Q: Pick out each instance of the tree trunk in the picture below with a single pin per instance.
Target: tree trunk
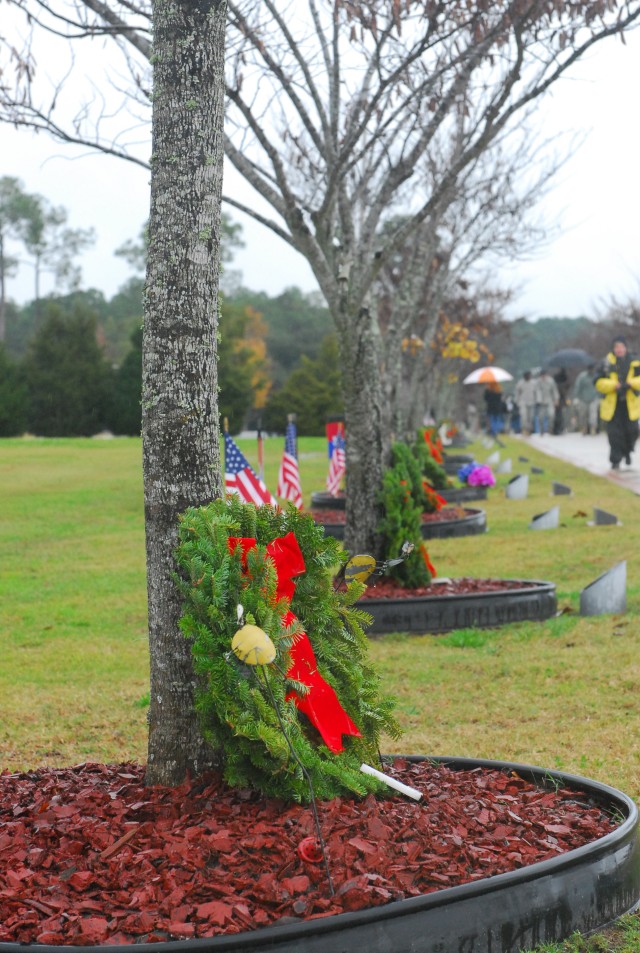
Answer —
(181, 453)
(366, 441)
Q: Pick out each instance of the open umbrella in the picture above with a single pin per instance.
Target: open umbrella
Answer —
(487, 375)
(570, 357)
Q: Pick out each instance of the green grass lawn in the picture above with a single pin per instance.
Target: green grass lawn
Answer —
(73, 678)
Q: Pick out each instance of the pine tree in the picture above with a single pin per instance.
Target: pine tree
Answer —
(67, 375)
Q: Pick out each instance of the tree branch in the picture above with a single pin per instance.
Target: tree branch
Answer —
(267, 222)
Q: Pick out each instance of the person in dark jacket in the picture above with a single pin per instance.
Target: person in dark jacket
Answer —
(618, 379)
(496, 408)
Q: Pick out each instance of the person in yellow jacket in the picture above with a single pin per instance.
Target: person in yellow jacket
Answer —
(619, 381)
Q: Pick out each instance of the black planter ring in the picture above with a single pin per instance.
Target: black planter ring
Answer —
(334, 529)
(325, 501)
(582, 890)
(534, 601)
(473, 521)
(452, 494)
(453, 462)
(463, 494)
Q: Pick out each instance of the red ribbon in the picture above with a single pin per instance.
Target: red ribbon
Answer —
(436, 449)
(320, 704)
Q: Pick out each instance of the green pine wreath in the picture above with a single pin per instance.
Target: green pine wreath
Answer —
(233, 699)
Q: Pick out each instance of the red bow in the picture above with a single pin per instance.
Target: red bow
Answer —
(436, 449)
(320, 704)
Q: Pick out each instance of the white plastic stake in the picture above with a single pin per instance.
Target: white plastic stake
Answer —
(398, 785)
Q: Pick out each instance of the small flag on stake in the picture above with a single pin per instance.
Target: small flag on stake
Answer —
(337, 463)
(289, 476)
(240, 478)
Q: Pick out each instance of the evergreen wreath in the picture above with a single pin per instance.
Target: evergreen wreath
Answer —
(403, 501)
(233, 699)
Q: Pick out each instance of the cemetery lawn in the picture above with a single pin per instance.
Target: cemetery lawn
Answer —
(73, 683)
(74, 673)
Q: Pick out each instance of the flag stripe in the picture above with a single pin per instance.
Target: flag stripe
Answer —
(240, 478)
(289, 487)
(337, 465)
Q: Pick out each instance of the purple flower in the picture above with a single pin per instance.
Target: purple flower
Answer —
(481, 476)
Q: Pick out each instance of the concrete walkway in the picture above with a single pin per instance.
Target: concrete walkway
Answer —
(590, 453)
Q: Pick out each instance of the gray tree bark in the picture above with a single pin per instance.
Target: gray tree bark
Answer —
(181, 453)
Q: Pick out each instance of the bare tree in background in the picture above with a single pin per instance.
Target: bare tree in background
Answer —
(488, 221)
(336, 110)
(613, 315)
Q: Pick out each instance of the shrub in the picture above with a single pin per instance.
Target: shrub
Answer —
(432, 471)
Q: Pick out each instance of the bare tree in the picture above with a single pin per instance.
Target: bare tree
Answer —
(489, 219)
(335, 108)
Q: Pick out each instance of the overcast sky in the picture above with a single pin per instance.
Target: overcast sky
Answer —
(594, 204)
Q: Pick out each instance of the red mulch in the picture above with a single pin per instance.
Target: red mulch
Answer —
(383, 587)
(89, 855)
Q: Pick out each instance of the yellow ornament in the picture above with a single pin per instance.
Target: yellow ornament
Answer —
(359, 567)
(253, 646)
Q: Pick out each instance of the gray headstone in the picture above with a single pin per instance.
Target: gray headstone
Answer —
(561, 489)
(518, 487)
(504, 466)
(602, 518)
(537, 470)
(493, 458)
(548, 520)
(523, 459)
(487, 442)
(607, 593)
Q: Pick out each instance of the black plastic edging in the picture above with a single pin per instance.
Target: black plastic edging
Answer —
(535, 601)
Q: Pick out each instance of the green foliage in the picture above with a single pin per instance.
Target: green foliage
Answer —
(313, 392)
(119, 320)
(124, 416)
(66, 375)
(233, 698)
(298, 323)
(237, 365)
(527, 344)
(431, 471)
(13, 397)
(402, 499)
(39, 227)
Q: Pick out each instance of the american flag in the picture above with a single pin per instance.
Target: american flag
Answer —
(337, 464)
(289, 476)
(241, 479)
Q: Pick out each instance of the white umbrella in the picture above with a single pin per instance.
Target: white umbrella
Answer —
(487, 375)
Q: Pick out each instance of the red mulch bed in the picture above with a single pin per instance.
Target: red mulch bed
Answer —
(89, 855)
(443, 515)
(384, 587)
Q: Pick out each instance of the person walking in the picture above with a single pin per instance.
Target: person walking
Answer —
(525, 397)
(547, 399)
(495, 408)
(563, 385)
(587, 401)
(619, 380)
